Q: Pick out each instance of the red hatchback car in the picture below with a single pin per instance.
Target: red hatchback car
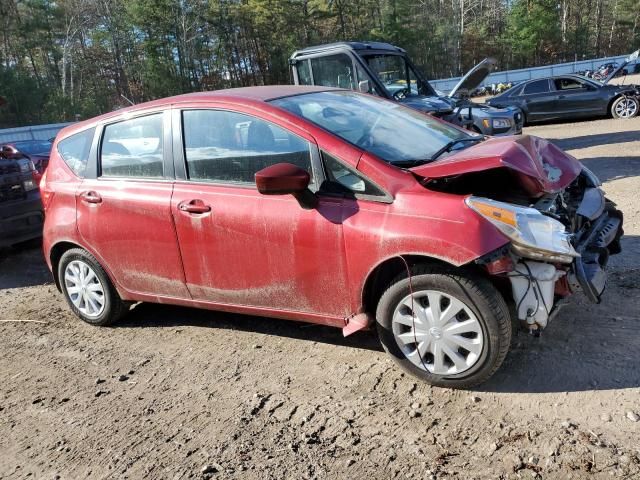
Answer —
(326, 206)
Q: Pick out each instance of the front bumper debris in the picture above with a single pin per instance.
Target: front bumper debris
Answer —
(595, 245)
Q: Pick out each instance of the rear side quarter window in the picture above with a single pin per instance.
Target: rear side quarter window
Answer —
(74, 150)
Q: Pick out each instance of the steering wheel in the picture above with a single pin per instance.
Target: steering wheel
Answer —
(402, 93)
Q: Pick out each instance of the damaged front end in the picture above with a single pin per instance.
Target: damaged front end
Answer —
(559, 246)
(562, 229)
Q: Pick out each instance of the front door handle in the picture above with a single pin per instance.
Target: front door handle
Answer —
(194, 206)
(91, 197)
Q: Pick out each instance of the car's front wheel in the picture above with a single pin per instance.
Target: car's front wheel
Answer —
(88, 290)
(449, 328)
(624, 107)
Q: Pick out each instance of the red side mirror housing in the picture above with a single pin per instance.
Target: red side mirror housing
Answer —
(282, 179)
(286, 178)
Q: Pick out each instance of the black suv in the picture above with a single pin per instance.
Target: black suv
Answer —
(21, 215)
(386, 70)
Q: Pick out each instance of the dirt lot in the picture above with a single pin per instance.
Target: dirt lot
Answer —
(180, 393)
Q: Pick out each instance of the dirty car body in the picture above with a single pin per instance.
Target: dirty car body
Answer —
(386, 70)
(326, 206)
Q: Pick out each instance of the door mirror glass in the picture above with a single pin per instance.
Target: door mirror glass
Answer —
(363, 86)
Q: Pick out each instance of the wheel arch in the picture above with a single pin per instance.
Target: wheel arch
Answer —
(381, 276)
(55, 254)
(613, 99)
(58, 250)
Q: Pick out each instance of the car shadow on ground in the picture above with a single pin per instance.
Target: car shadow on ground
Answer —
(587, 141)
(613, 168)
(154, 315)
(23, 266)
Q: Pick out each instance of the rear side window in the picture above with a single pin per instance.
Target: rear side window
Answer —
(74, 150)
(541, 86)
(133, 148)
(334, 71)
(230, 147)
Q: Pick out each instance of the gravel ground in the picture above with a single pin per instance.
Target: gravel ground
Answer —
(181, 393)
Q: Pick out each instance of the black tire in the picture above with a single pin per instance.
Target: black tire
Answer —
(114, 308)
(618, 101)
(478, 294)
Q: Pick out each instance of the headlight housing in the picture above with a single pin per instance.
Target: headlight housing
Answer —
(532, 234)
(501, 123)
(29, 185)
(26, 165)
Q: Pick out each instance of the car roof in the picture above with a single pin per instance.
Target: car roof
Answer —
(365, 45)
(245, 95)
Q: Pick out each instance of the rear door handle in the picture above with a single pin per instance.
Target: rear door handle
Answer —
(91, 197)
(194, 206)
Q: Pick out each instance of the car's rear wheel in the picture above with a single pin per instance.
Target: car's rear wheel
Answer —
(88, 290)
(449, 328)
(624, 107)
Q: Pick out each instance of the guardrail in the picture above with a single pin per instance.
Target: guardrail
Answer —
(36, 132)
(523, 74)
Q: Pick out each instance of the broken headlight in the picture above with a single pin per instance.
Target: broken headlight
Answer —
(532, 234)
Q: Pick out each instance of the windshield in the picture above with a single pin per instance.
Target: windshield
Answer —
(397, 75)
(33, 148)
(394, 133)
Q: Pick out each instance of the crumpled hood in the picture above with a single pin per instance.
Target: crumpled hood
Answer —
(545, 167)
(631, 58)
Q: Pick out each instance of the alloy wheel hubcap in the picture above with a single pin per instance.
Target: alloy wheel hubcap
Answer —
(437, 332)
(626, 108)
(84, 288)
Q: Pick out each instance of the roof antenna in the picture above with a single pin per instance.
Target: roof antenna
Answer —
(127, 99)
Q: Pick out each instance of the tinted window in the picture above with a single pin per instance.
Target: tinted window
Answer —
(512, 92)
(133, 148)
(333, 71)
(342, 179)
(304, 73)
(540, 86)
(391, 131)
(74, 150)
(231, 147)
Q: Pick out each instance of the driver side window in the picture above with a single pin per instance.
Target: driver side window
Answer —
(568, 84)
(334, 71)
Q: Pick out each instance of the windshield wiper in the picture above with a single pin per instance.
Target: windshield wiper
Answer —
(410, 163)
(453, 143)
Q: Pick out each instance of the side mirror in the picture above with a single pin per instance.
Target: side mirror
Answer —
(284, 179)
(363, 86)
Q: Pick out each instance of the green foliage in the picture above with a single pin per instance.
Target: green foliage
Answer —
(63, 59)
